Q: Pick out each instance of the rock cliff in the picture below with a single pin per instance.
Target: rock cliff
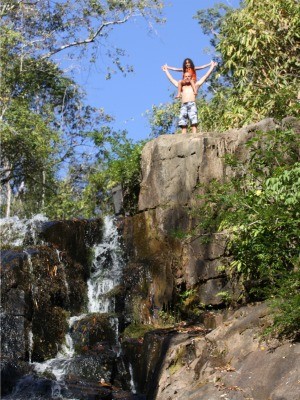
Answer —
(222, 355)
(174, 169)
(217, 354)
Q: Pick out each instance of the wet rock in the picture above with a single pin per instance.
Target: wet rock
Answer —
(93, 333)
(86, 390)
(122, 395)
(13, 339)
(38, 289)
(132, 351)
(31, 387)
(94, 367)
(49, 328)
(155, 347)
(11, 372)
(29, 294)
(42, 285)
(37, 276)
(74, 236)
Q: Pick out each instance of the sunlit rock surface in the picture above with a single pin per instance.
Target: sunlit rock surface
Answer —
(158, 239)
(232, 361)
(174, 165)
(221, 355)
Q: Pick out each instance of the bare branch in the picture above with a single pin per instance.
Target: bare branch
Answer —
(86, 41)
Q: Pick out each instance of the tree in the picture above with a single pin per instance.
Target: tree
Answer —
(47, 28)
(258, 213)
(257, 48)
(45, 124)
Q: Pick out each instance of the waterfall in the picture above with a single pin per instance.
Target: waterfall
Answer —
(106, 270)
(30, 344)
(57, 366)
(89, 345)
(106, 273)
(15, 231)
(132, 384)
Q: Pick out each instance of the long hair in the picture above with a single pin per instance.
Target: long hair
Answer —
(191, 62)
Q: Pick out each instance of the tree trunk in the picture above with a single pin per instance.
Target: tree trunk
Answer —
(8, 200)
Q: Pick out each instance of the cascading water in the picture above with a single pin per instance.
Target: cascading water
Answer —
(100, 358)
(15, 231)
(106, 273)
(106, 270)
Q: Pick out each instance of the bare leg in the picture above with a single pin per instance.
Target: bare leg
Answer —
(179, 90)
(194, 128)
(184, 129)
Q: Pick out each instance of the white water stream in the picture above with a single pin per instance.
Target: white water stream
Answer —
(106, 273)
(14, 231)
(107, 270)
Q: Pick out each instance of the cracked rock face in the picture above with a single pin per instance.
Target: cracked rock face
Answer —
(173, 165)
(173, 169)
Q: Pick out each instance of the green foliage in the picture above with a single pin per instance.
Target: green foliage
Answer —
(48, 149)
(162, 118)
(189, 305)
(136, 331)
(259, 213)
(125, 170)
(43, 124)
(119, 166)
(257, 49)
(166, 318)
(285, 305)
(211, 20)
(259, 45)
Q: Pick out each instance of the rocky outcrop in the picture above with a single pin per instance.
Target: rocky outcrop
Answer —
(174, 165)
(232, 361)
(221, 353)
(174, 170)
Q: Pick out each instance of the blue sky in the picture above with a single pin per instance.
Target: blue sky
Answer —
(127, 98)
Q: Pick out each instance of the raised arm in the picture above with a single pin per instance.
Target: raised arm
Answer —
(204, 77)
(203, 66)
(175, 68)
(170, 77)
